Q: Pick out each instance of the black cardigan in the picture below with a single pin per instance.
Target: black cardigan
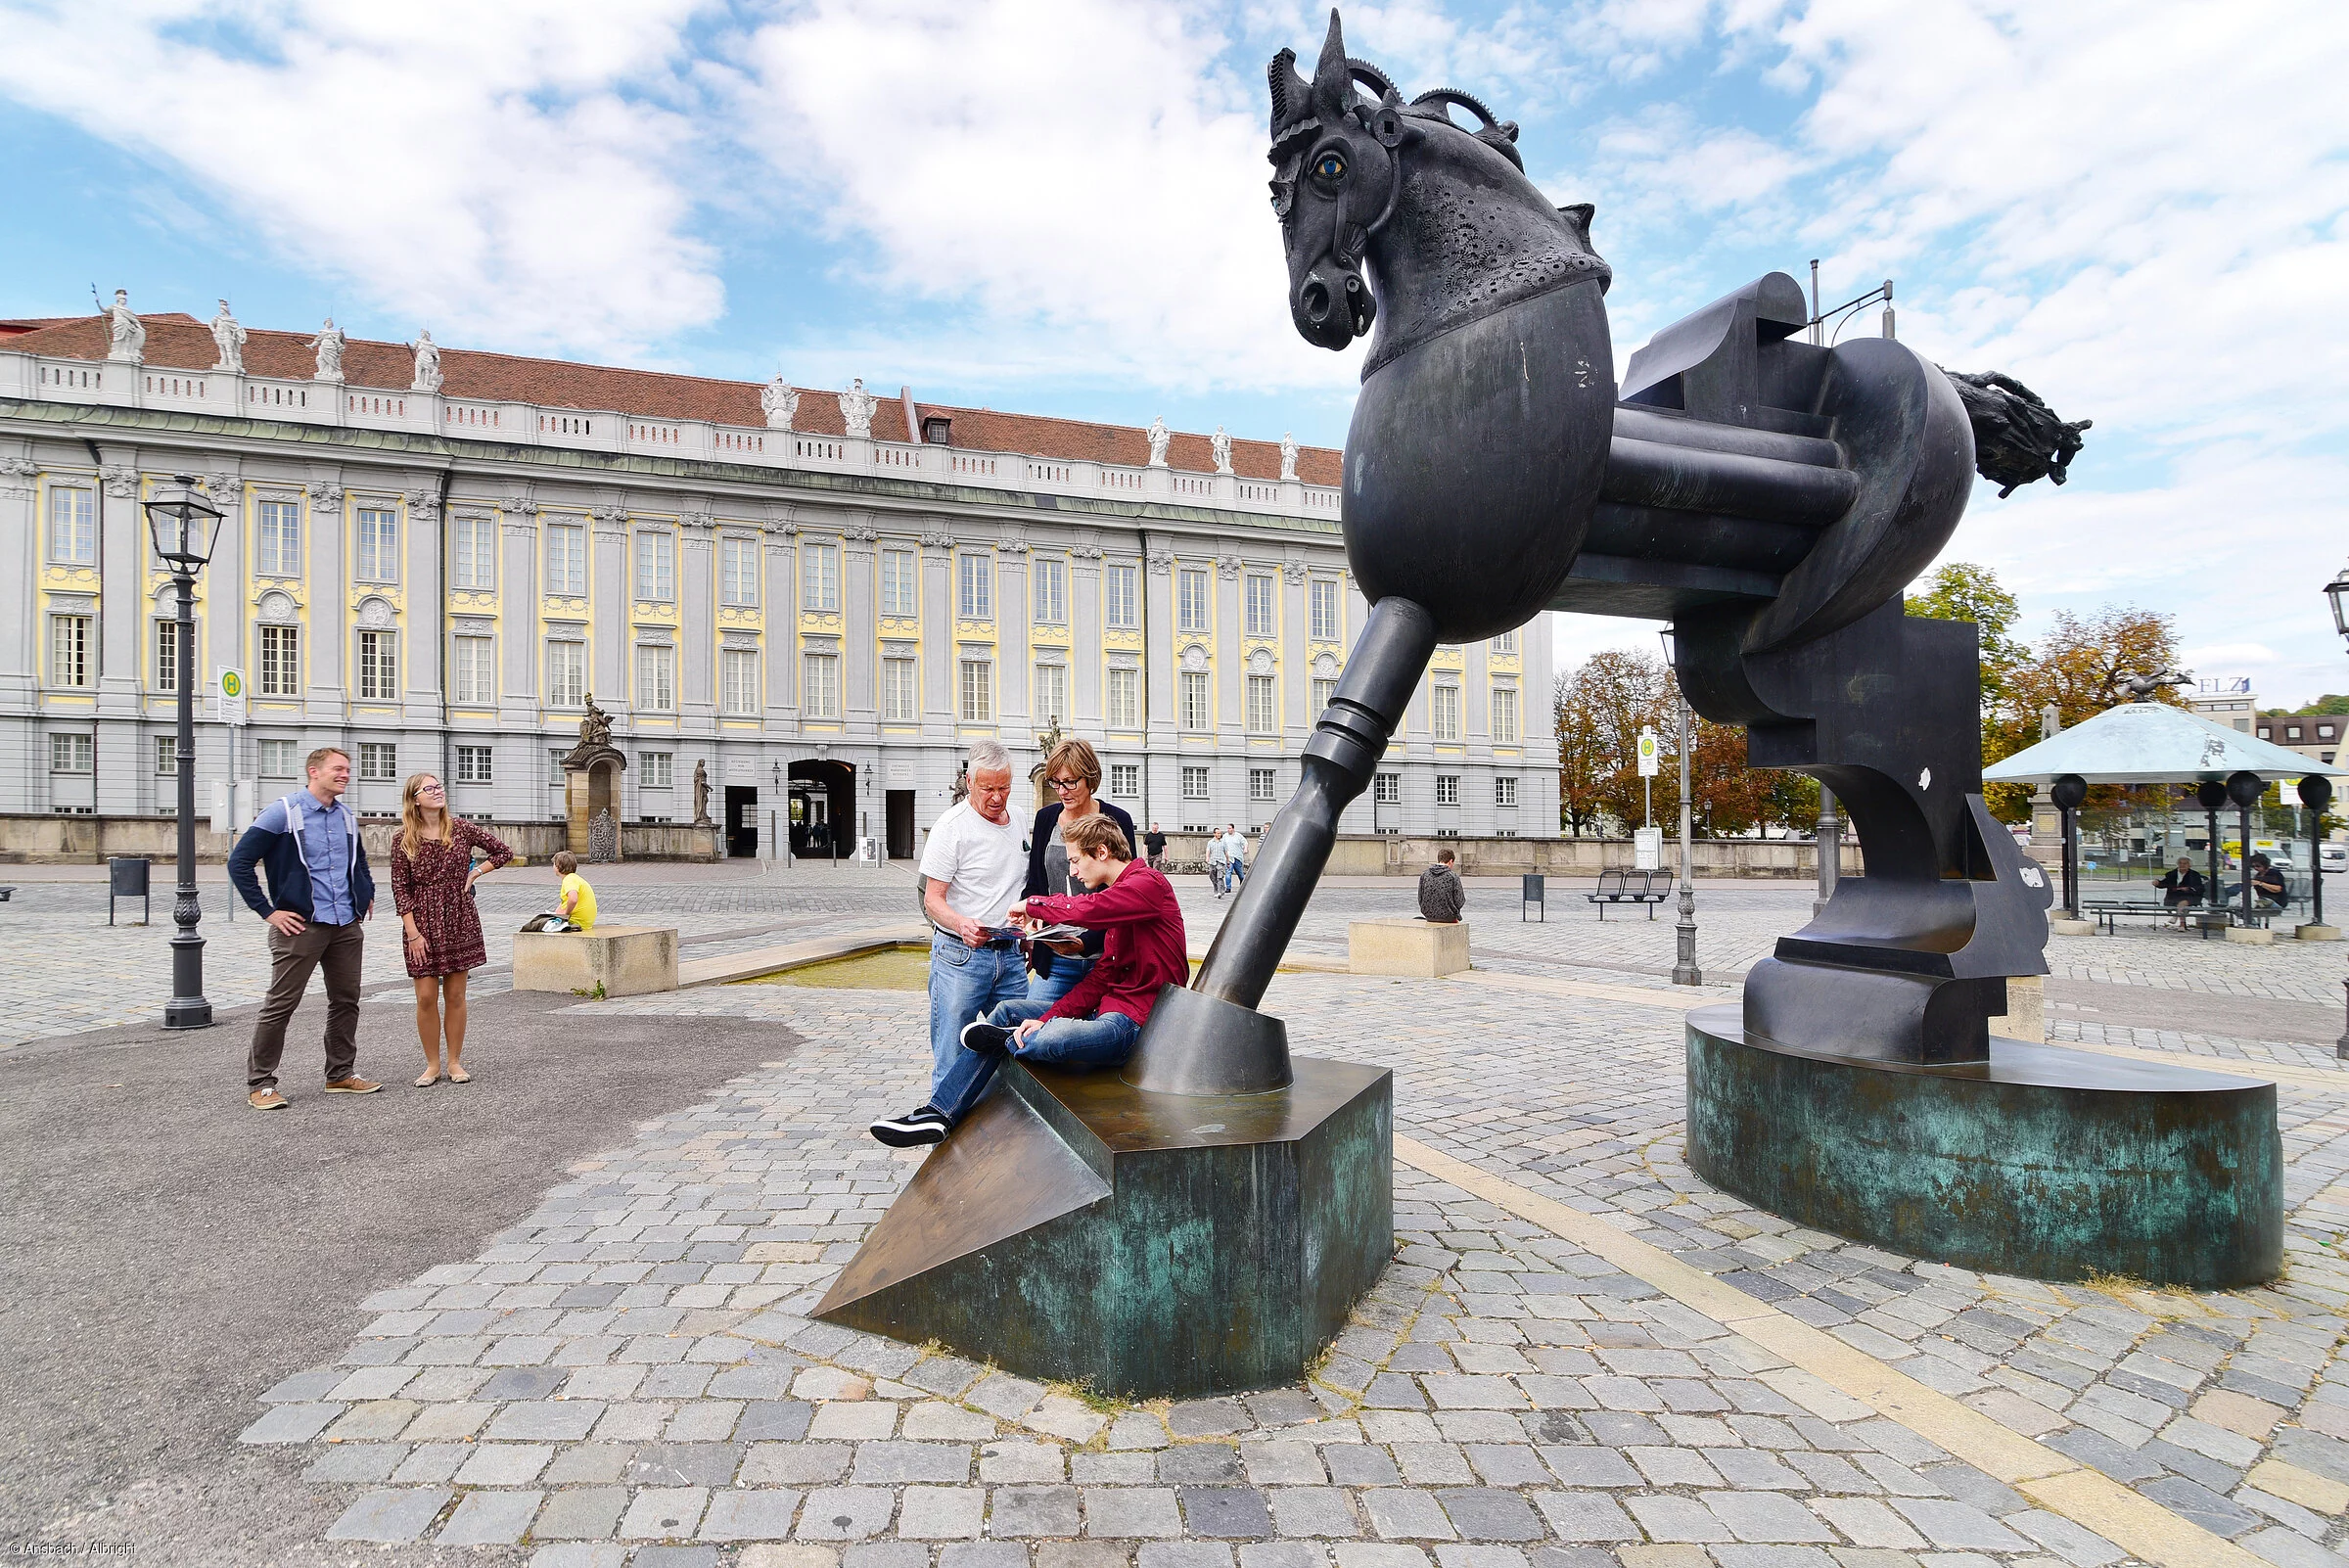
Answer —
(1047, 820)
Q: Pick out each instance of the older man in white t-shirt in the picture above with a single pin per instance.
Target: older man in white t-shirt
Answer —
(974, 867)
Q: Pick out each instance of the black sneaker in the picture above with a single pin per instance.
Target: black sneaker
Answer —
(913, 1131)
(988, 1039)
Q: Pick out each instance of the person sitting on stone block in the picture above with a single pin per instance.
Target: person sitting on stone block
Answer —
(1096, 1024)
(1441, 897)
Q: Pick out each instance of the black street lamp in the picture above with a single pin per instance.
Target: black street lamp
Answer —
(2337, 590)
(1684, 964)
(182, 524)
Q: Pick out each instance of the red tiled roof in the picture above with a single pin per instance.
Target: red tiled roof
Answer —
(179, 341)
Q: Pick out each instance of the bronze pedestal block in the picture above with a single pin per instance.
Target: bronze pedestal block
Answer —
(1149, 1245)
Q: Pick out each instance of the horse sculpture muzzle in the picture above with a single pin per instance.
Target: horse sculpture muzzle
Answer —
(1333, 305)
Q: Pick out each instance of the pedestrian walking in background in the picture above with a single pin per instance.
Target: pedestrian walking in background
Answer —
(1154, 844)
(972, 871)
(1236, 853)
(1218, 862)
(1442, 895)
(432, 873)
(307, 845)
(1073, 772)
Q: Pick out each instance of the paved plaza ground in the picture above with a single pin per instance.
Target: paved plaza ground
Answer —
(557, 1317)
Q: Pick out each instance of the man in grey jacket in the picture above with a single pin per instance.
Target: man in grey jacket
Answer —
(1442, 897)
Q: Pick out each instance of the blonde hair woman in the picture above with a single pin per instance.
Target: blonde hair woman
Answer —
(432, 873)
(1073, 772)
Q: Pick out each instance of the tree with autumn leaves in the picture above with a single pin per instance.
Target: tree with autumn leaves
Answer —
(1602, 705)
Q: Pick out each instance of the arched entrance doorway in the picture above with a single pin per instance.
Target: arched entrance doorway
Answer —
(823, 807)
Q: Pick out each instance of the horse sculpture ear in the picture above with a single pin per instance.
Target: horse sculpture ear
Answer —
(1290, 91)
(1333, 79)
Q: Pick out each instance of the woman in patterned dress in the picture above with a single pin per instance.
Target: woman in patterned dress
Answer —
(432, 873)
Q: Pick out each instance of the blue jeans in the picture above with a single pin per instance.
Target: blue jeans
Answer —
(1066, 972)
(965, 983)
(1102, 1041)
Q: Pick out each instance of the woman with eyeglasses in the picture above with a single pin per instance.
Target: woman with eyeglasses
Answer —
(432, 873)
(1073, 772)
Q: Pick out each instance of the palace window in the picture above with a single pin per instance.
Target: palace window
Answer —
(167, 656)
(278, 539)
(1444, 713)
(554, 768)
(900, 695)
(974, 588)
(1386, 789)
(379, 761)
(281, 660)
(73, 754)
(377, 533)
(657, 679)
(277, 758)
(819, 680)
(73, 527)
(737, 571)
(472, 560)
(1195, 709)
(1447, 788)
(1053, 593)
(1264, 705)
(379, 667)
(1194, 783)
(1260, 607)
(476, 670)
(978, 692)
(1505, 643)
(658, 768)
(1325, 610)
(1191, 599)
(657, 567)
(819, 577)
(937, 431)
(901, 592)
(1124, 699)
(1504, 715)
(1125, 781)
(476, 764)
(1121, 602)
(1052, 692)
(1325, 692)
(567, 561)
(167, 757)
(1262, 781)
(566, 674)
(738, 682)
(1505, 792)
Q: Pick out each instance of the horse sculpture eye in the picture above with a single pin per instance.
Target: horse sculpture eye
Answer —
(1329, 166)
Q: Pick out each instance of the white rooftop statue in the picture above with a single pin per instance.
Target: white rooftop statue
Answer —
(2151, 743)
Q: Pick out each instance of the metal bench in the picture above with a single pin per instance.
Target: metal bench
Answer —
(2109, 912)
(1619, 886)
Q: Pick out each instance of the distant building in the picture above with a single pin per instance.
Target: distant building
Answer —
(2227, 700)
(432, 557)
(2317, 736)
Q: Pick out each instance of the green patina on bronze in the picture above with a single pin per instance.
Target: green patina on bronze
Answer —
(2045, 1163)
(1078, 1230)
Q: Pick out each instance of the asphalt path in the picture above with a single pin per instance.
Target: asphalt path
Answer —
(168, 1254)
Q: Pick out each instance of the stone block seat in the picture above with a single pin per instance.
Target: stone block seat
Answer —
(608, 961)
(1420, 949)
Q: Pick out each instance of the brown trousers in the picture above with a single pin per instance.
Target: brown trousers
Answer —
(339, 949)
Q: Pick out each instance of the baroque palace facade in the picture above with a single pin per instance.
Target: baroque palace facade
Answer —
(432, 558)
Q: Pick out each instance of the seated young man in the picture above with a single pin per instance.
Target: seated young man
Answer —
(1096, 1024)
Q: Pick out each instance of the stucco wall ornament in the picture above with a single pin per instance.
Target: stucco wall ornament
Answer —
(1229, 568)
(424, 503)
(1194, 658)
(325, 492)
(119, 479)
(1160, 562)
(276, 607)
(1294, 571)
(1260, 661)
(375, 614)
(521, 506)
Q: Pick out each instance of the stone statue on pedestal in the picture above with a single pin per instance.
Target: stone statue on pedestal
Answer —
(1288, 457)
(595, 735)
(126, 333)
(228, 332)
(1222, 447)
(428, 363)
(1159, 436)
(328, 343)
(856, 407)
(701, 794)
(780, 403)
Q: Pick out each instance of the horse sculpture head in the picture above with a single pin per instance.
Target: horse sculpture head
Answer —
(1445, 217)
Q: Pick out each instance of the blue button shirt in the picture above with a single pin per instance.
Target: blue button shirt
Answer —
(326, 833)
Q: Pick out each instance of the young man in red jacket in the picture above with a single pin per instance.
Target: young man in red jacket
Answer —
(1096, 1024)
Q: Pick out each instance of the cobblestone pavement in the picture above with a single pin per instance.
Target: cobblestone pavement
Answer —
(627, 1375)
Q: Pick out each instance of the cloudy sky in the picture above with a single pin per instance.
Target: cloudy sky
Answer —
(2138, 206)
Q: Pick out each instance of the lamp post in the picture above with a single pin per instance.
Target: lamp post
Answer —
(182, 525)
(2068, 792)
(2337, 590)
(2244, 788)
(1684, 964)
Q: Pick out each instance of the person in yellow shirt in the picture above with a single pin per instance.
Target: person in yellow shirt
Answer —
(578, 898)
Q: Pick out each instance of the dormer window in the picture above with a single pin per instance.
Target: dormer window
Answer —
(938, 432)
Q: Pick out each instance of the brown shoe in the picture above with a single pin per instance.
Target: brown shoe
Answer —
(265, 1099)
(351, 1086)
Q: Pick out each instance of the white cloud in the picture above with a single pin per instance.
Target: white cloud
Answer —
(497, 172)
